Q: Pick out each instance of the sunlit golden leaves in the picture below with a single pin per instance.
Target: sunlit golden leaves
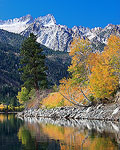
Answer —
(73, 91)
(91, 74)
(105, 67)
(79, 50)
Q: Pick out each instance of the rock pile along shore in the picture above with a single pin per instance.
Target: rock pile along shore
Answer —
(106, 112)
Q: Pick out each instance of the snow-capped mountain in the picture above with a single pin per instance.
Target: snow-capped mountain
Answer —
(55, 36)
(16, 25)
(47, 21)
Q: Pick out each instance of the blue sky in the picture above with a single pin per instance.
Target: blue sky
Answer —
(88, 13)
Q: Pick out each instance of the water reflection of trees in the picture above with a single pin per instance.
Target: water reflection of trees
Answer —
(9, 126)
(33, 140)
(27, 140)
(15, 135)
(48, 136)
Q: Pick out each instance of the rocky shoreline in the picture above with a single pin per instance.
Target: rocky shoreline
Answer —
(105, 112)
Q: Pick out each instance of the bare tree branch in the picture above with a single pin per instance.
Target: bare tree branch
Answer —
(73, 99)
(85, 96)
(73, 102)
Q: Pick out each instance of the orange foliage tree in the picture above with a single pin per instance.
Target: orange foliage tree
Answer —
(105, 69)
(75, 88)
(73, 93)
(79, 50)
(92, 75)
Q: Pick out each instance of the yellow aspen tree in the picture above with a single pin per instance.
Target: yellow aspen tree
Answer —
(105, 67)
(74, 89)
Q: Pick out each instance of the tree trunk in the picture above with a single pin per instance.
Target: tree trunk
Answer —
(86, 97)
(37, 98)
(70, 100)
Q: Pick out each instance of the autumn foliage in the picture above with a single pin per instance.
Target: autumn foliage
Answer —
(80, 50)
(93, 75)
(105, 67)
(54, 100)
(72, 92)
(75, 88)
(71, 89)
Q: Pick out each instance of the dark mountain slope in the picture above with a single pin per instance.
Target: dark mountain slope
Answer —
(10, 43)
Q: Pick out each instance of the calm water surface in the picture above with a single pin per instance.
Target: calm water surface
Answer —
(30, 134)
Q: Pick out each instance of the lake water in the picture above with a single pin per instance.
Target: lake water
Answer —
(48, 134)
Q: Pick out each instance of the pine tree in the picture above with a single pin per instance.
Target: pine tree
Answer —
(33, 64)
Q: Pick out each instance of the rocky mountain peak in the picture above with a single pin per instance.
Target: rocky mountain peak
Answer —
(27, 19)
(56, 36)
(47, 20)
(16, 25)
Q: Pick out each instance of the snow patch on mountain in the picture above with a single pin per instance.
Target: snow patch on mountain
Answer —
(16, 25)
